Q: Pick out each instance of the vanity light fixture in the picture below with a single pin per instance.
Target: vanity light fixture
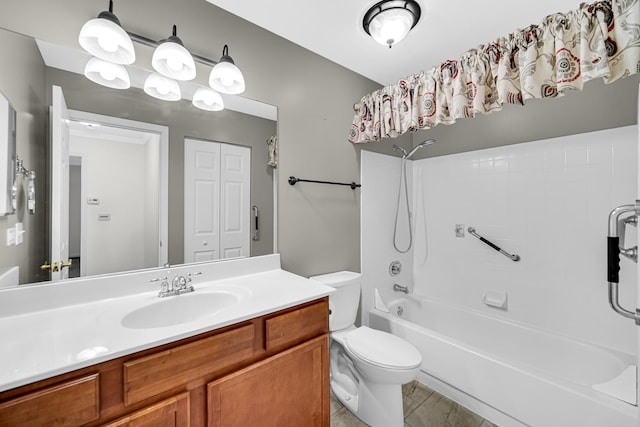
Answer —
(105, 38)
(162, 87)
(225, 76)
(112, 48)
(389, 21)
(172, 60)
(107, 73)
(207, 99)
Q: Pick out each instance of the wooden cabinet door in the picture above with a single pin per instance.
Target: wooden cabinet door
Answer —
(173, 412)
(288, 389)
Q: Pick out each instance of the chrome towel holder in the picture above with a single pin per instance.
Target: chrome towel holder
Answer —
(513, 257)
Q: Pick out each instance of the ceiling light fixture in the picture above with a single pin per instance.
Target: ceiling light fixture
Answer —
(389, 21)
(172, 60)
(107, 73)
(207, 99)
(162, 87)
(225, 76)
(104, 38)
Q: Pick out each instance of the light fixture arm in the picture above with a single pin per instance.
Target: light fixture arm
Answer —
(109, 14)
(225, 55)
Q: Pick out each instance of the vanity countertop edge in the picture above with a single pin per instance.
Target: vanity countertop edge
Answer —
(78, 323)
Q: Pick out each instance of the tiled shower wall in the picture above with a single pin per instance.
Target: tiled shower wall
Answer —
(547, 201)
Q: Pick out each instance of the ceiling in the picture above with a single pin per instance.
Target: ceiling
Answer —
(447, 28)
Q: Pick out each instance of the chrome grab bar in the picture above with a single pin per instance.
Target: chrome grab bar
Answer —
(513, 257)
(256, 216)
(616, 236)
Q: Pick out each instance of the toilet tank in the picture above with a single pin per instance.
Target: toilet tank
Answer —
(343, 304)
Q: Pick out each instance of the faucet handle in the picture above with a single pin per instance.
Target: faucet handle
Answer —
(158, 279)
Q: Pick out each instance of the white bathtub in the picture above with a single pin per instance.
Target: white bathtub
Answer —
(511, 374)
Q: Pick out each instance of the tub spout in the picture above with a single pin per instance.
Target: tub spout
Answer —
(398, 288)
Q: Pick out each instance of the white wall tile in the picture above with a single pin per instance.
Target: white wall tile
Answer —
(546, 200)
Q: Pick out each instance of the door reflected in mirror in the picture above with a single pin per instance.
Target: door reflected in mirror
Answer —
(115, 183)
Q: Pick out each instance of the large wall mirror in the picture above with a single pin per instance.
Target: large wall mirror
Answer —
(127, 168)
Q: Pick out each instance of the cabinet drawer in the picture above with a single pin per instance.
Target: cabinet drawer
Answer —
(296, 326)
(70, 403)
(147, 376)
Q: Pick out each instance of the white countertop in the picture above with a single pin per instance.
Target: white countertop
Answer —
(51, 329)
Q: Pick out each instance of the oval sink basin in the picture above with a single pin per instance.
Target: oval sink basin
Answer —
(174, 310)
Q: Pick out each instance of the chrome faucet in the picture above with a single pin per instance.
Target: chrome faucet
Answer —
(177, 286)
(398, 288)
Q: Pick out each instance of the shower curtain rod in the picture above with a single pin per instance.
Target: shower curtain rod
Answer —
(293, 180)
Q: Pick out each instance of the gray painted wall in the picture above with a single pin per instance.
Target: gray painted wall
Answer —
(22, 83)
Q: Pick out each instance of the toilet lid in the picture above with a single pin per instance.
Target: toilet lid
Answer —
(382, 349)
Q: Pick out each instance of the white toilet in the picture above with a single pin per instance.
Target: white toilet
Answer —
(368, 367)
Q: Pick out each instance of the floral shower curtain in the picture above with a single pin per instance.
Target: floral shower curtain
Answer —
(564, 51)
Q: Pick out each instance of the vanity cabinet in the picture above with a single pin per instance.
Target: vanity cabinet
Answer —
(270, 370)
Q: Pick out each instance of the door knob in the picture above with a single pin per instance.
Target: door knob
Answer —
(54, 267)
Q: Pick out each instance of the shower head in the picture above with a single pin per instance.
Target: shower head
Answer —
(417, 147)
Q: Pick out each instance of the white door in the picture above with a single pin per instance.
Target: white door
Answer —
(235, 179)
(217, 188)
(59, 126)
(201, 200)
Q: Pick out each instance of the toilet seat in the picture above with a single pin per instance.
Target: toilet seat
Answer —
(382, 349)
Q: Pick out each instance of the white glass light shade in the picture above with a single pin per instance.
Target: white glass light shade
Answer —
(107, 40)
(107, 74)
(391, 26)
(162, 87)
(225, 77)
(174, 61)
(207, 99)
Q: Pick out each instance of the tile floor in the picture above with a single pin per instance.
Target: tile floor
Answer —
(423, 407)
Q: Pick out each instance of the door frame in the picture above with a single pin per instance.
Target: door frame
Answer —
(163, 197)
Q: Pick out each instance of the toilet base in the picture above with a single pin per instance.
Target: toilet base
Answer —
(378, 405)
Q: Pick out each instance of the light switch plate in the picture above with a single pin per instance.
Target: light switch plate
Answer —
(11, 236)
(19, 233)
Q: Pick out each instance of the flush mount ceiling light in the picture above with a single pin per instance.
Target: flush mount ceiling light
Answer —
(107, 74)
(225, 77)
(172, 60)
(389, 21)
(207, 99)
(104, 38)
(162, 87)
